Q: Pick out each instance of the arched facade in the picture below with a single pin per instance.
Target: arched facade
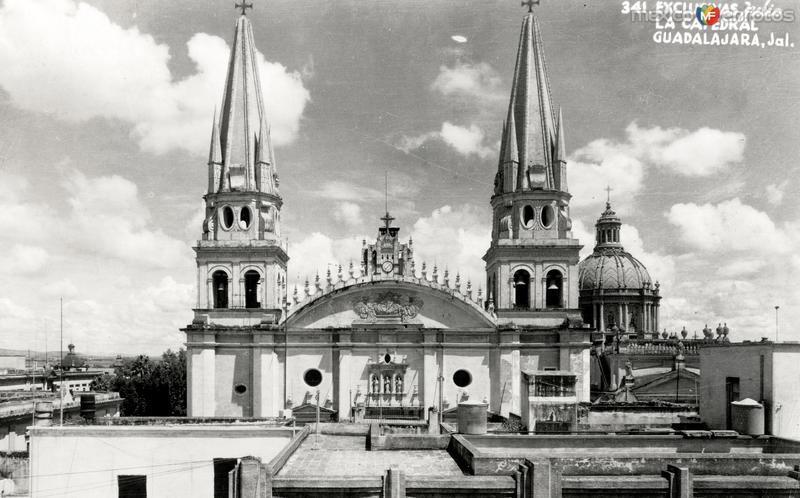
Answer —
(386, 336)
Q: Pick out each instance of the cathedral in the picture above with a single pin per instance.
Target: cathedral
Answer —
(388, 337)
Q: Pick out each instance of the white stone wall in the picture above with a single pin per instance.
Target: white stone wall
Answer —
(84, 462)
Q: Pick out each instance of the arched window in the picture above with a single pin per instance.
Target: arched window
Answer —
(219, 282)
(374, 260)
(522, 285)
(251, 279)
(554, 289)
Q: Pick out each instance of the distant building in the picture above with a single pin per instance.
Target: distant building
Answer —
(12, 363)
(74, 372)
(766, 372)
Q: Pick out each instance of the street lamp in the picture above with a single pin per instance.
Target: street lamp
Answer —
(776, 323)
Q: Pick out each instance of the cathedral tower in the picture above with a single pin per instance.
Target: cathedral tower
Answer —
(241, 260)
(531, 265)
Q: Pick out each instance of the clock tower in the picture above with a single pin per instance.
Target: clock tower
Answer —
(387, 256)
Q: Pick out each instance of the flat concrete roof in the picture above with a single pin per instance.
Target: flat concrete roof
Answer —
(339, 455)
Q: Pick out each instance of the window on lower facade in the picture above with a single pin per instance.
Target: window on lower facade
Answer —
(554, 386)
(132, 486)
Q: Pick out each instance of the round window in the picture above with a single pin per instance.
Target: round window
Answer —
(462, 378)
(387, 358)
(240, 389)
(245, 217)
(227, 217)
(312, 377)
(527, 216)
(547, 216)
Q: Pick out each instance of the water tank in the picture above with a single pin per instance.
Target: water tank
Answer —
(472, 417)
(43, 413)
(747, 416)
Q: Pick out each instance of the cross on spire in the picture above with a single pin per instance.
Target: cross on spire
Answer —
(529, 4)
(388, 218)
(244, 6)
(608, 190)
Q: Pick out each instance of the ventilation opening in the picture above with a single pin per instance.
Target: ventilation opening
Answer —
(462, 378)
(527, 216)
(251, 279)
(219, 281)
(245, 216)
(227, 217)
(312, 377)
(240, 389)
(547, 216)
(522, 286)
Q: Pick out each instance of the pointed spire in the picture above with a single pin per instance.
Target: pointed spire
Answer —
(214, 155)
(561, 154)
(560, 158)
(243, 127)
(530, 119)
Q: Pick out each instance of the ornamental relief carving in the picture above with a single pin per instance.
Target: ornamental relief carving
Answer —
(388, 305)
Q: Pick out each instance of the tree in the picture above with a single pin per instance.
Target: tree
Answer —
(149, 388)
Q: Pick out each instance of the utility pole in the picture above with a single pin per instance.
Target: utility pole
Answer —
(61, 362)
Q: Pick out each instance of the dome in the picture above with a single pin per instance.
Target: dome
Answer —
(612, 268)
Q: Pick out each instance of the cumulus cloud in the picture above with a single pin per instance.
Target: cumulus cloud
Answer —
(472, 81)
(108, 212)
(28, 259)
(623, 165)
(348, 213)
(101, 253)
(729, 226)
(87, 66)
(774, 192)
(454, 238)
(464, 140)
(317, 253)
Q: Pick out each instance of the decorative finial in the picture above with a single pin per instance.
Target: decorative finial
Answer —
(529, 4)
(244, 6)
(608, 196)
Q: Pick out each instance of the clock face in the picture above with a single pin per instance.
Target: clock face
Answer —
(387, 266)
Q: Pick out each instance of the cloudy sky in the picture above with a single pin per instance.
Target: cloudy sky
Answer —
(105, 115)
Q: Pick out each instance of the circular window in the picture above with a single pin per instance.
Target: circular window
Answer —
(387, 358)
(312, 377)
(547, 216)
(245, 216)
(240, 389)
(462, 378)
(227, 217)
(527, 216)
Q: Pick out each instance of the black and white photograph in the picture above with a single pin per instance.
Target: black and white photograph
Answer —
(408, 248)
